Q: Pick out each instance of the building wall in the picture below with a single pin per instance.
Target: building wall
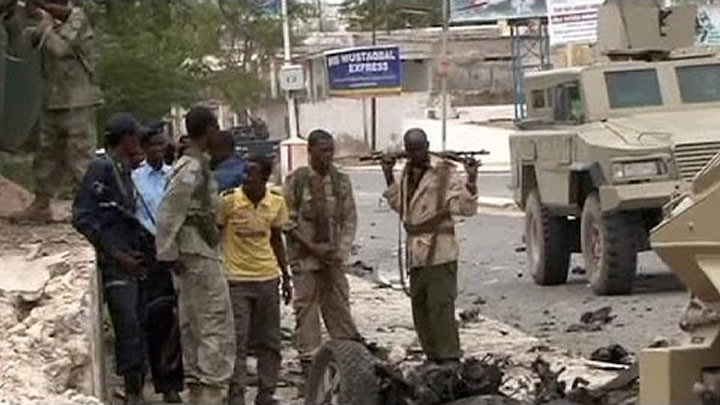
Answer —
(345, 116)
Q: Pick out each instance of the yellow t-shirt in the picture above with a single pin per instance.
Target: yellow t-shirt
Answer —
(246, 231)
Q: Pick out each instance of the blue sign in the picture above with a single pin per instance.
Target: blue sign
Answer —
(364, 71)
(272, 7)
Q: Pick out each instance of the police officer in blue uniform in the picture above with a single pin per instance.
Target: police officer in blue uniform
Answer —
(104, 212)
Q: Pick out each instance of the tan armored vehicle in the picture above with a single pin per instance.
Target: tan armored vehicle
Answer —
(605, 146)
(688, 241)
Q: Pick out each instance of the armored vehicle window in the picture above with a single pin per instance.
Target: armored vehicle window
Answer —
(538, 98)
(699, 84)
(567, 103)
(634, 88)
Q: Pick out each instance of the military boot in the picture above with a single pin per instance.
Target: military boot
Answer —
(133, 389)
(172, 397)
(38, 211)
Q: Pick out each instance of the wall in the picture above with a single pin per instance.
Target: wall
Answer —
(345, 116)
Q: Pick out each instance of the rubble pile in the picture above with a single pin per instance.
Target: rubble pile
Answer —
(13, 197)
(44, 329)
(433, 384)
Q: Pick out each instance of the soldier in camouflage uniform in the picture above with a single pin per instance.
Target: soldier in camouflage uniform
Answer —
(187, 237)
(427, 197)
(67, 126)
(319, 245)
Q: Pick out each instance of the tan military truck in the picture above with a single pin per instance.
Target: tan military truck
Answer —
(605, 146)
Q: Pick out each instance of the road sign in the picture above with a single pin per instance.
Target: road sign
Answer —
(292, 78)
(364, 71)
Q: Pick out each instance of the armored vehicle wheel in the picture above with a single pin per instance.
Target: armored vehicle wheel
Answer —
(343, 373)
(609, 248)
(548, 243)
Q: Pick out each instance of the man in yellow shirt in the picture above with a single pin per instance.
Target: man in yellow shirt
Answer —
(252, 219)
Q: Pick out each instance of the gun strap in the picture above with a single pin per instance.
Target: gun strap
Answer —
(440, 202)
(127, 196)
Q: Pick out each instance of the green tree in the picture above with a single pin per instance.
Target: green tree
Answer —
(158, 53)
(392, 14)
(252, 37)
(150, 52)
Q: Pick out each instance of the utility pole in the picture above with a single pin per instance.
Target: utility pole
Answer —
(292, 112)
(373, 100)
(444, 71)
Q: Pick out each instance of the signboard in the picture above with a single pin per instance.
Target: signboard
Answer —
(292, 78)
(272, 7)
(467, 11)
(364, 71)
(573, 21)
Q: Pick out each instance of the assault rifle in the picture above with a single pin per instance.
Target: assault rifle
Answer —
(455, 156)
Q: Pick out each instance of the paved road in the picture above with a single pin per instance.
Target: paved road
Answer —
(493, 270)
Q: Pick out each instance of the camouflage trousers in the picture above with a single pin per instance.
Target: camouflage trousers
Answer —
(325, 292)
(67, 143)
(206, 322)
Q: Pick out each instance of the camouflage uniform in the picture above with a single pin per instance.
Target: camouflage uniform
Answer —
(186, 232)
(319, 288)
(427, 214)
(67, 126)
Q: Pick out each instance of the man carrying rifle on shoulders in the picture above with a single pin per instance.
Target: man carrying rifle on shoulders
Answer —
(427, 198)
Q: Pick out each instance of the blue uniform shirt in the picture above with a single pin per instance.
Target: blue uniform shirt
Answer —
(104, 210)
(150, 185)
(230, 173)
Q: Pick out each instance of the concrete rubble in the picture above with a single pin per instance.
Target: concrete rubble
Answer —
(44, 334)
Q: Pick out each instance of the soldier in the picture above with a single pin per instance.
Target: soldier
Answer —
(187, 238)
(103, 211)
(253, 218)
(67, 125)
(320, 237)
(428, 196)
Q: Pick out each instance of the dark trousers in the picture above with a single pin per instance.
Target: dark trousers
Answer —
(256, 307)
(143, 314)
(433, 290)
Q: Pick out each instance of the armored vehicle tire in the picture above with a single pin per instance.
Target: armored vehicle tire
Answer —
(343, 373)
(609, 248)
(548, 243)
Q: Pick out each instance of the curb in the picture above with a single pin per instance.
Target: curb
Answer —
(497, 203)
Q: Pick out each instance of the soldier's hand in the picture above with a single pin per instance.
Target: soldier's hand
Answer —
(471, 167)
(178, 268)
(287, 290)
(388, 167)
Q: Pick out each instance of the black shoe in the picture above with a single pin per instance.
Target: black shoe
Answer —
(134, 383)
(172, 397)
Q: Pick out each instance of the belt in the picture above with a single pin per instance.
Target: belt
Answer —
(416, 230)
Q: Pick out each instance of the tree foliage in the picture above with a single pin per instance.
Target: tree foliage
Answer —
(392, 14)
(158, 53)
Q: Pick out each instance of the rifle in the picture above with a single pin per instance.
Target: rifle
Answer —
(455, 156)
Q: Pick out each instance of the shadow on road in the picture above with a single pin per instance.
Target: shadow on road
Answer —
(655, 283)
